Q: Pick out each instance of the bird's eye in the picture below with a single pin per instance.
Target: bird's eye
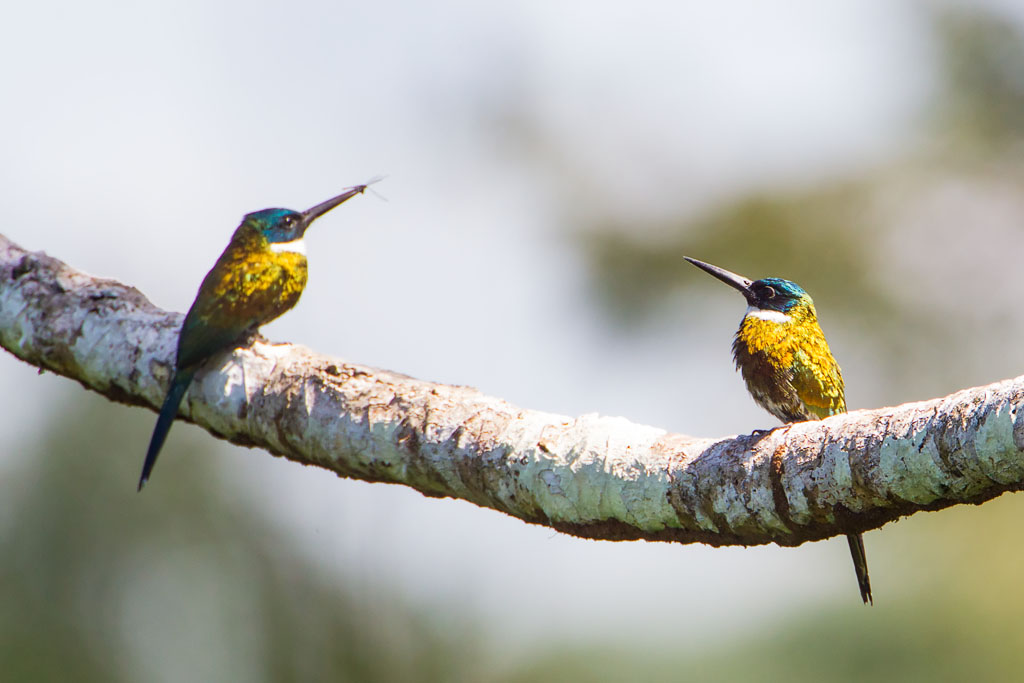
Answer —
(769, 292)
(289, 220)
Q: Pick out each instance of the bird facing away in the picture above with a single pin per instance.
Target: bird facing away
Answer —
(785, 361)
(260, 275)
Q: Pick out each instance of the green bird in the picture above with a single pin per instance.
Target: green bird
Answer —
(260, 275)
(788, 368)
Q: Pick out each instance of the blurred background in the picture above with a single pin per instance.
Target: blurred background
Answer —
(548, 165)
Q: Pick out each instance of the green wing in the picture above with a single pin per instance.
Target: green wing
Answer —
(819, 384)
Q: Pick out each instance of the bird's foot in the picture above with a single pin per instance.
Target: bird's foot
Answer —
(761, 433)
(250, 337)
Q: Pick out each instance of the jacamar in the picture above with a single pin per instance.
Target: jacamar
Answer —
(785, 361)
(260, 275)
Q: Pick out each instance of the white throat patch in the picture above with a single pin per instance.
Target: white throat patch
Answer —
(774, 316)
(294, 247)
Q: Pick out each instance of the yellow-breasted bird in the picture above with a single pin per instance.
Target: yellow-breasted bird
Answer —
(785, 361)
(260, 275)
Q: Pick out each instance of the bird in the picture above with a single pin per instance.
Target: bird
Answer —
(259, 276)
(787, 366)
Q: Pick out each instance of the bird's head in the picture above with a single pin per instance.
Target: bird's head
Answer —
(770, 294)
(283, 226)
(278, 226)
(776, 294)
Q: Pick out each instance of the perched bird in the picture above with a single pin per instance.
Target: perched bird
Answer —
(785, 361)
(260, 275)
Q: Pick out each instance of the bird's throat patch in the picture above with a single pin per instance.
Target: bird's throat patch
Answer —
(294, 247)
(774, 316)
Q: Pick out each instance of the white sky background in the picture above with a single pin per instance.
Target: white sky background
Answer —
(134, 136)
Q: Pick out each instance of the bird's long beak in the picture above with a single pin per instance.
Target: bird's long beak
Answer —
(310, 215)
(732, 279)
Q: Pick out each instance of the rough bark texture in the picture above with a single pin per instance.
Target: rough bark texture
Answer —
(592, 476)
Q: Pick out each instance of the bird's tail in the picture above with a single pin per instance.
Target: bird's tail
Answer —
(168, 411)
(860, 565)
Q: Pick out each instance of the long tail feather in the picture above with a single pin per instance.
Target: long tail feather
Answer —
(860, 565)
(168, 411)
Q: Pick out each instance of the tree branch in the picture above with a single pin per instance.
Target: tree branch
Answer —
(593, 476)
